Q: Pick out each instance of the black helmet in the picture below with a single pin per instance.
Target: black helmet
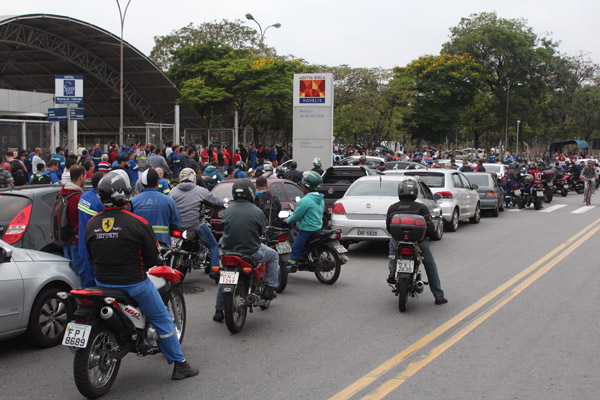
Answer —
(243, 189)
(408, 188)
(114, 190)
(240, 165)
(515, 165)
(362, 159)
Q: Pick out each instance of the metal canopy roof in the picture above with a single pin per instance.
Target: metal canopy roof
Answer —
(36, 47)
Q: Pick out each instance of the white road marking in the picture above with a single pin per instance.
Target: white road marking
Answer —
(553, 208)
(514, 209)
(582, 209)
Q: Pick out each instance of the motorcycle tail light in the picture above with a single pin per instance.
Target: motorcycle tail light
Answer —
(336, 235)
(247, 270)
(406, 251)
(282, 237)
(445, 195)
(490, 193)
(81, 320)
(216, 269)
(176, 234)
(17, 227)
(338, 208)
(83, 302)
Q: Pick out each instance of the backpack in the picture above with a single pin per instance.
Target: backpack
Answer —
(41, 179)
(28, 164)
(170, 160)
(18, 173)
(61, 232)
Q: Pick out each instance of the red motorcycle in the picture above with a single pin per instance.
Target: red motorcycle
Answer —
(562, 185)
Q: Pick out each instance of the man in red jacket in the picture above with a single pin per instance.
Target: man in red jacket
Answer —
(75, 187)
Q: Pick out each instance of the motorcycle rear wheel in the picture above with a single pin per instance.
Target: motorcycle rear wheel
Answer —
(548, 197)
(235, 308)
(579, 189)
(329, 255)
(402, 290)
(176, 306)
(564, 192)
(94, 369)
(537, 204)
(519, 202)
(283, 277)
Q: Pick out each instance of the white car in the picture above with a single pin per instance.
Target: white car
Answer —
(499, 169)
(460, 200)
(361, 213)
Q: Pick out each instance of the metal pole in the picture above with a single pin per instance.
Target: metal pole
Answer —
(235, 131)
(122, 15)
(176, 127)
(518, 123)
(506, 123)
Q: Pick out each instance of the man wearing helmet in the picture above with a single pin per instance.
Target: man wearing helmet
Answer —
(243, 225)
(122, 247)
(308, 215)
(239, 172)
(189, 198)
(317, 166)
(407, 193)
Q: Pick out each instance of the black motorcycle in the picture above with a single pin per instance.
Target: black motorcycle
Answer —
(109, 324)
(408, 230)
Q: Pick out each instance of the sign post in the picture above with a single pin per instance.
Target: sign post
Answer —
(313, 119)
(68, 89)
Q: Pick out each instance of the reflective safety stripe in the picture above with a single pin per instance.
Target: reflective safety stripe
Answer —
(86, 210)
(160, 229)
(168, 335)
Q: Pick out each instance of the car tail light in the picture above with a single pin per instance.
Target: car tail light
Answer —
(445, 195)
(406, 251)
(338, 208)
(490, 193)
(17, 227)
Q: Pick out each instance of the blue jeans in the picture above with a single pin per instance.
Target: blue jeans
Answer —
(147, 297)
(507, 193)
(206, 237)
(299, 243)
(264, 254)
(429, 264)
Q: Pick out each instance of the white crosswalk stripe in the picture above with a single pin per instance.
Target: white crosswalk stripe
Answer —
(583, 209)
(514, 209)
(553, 208)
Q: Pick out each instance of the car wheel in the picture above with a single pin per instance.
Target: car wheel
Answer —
(477, 216)
(452, 226)
(48, 319)
(439, 232)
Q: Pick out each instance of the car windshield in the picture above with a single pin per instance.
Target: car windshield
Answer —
(223, 189)
(338, 175)
(374, 188)
(479, 179)
(431, 179)
(10, 206)
(497, 168)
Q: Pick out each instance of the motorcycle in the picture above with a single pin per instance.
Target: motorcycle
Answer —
(279, 240)
(109, 324)
(322, 254)
(547, 181)
(516, 193)
(408, 230)
(562, 185)
(536, 194)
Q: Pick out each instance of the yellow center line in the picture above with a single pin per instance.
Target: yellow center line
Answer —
(392, 384)
(388, 365)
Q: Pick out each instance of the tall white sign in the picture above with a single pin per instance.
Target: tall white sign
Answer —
(313, 119)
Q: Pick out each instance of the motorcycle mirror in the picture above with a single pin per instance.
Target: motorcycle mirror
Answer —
(297, 199)
(283, 214)
(214, 177)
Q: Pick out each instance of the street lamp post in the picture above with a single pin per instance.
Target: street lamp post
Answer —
(262, 33)
(518, 123)
(122, 14)
(506, 122)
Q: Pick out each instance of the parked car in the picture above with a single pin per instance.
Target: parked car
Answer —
(371, 161)
(491, 194)
(29, 281)
(404, 165)
(286, 191)
(460, 200)
(361, 213)
(337, 179)
(498, 169)
(475, 152)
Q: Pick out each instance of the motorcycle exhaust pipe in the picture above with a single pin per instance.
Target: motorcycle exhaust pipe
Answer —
(116, 321)
(252, 299)
(419, 286)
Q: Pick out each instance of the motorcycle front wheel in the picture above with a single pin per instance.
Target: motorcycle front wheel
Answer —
(180, 266)
(94, 367)
(548, 197)
(402, 290)
(235, 308)
(329, 274)
(176, 306)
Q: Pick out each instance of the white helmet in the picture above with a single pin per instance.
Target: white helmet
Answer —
(187, 174)
(317, 162)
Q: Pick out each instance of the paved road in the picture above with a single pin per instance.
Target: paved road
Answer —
(536, 337)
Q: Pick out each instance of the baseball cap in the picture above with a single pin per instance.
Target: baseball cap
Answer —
(149, 178)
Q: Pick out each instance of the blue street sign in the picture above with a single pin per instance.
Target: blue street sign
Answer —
(76, 114)
(57, 114)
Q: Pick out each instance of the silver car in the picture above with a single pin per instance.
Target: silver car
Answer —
(29, 281)
(361, 213)
(460, 200)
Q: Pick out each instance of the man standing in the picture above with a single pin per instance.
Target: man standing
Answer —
(96, 155)
(74, 190)
(36, 159)
(89, 205)
(104, 165)
(16, 168)
(253, 155)
(60, 159)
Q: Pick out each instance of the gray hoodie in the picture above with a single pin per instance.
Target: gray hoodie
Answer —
(188, 198)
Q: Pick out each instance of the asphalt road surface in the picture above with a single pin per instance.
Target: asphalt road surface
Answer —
(522, 322)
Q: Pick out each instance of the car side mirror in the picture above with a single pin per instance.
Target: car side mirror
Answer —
(5, 254)
(474, 186)
(437, 196)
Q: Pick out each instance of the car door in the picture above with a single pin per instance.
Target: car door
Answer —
(11, 297)
(471, 195)
(459, 192)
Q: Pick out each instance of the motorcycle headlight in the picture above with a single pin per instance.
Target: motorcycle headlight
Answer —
(189, 234)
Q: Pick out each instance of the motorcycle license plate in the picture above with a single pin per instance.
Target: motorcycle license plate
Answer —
(517, 192)
(405, 266)
(283, 248)
(229, 278)
(539, 194)
(76, 335)
(340, 249)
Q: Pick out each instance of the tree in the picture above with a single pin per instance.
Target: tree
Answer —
(444, 86)
(583, 119)
(227, 33)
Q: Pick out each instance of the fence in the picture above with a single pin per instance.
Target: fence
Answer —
(26, 134)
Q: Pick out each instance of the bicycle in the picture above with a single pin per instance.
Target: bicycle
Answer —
(588, 192)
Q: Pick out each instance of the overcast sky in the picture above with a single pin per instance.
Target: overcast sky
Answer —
(373, 33)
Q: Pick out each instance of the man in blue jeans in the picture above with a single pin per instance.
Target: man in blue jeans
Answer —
(189, 199)
(122, 247)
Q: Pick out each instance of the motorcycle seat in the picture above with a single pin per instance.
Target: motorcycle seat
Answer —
(230, 259)
(315, 237)
(120, 295)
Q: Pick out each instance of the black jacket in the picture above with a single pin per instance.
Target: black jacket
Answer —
(122, 247)
(409, 206)
(243, 225)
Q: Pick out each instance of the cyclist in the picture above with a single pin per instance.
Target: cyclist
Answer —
(589, 176)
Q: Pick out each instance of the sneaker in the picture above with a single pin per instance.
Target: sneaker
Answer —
(183, 370)
(269, 293)
(219, 316)
(391, 279)
(441, 300)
